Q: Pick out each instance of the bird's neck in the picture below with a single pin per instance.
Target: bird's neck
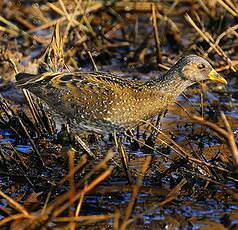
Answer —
(171, 84)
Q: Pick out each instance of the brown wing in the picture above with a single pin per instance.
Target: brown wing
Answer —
(86, 95)
(94, 99)
(74, 79)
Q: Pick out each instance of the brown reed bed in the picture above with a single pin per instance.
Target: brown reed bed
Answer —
(85, 181)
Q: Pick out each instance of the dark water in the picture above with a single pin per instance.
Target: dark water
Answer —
(208, 197)
(197, 205)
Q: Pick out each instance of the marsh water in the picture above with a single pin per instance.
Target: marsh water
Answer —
(199, 205)
(203, 196)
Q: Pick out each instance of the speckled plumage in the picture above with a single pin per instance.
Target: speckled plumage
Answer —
(102, 102)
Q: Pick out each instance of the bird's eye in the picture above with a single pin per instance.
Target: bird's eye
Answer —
(201, 66)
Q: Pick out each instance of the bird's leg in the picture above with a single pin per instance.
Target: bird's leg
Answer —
(134, 144)
(151, 139)
(160, 117)
(124, 157)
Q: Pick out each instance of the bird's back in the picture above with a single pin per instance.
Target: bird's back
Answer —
(96, 101)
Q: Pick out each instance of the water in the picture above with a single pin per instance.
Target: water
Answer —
(209, 196)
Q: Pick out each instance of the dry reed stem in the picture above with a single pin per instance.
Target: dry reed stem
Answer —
(225, 33)
(58, 201)
(14, 217)
(135, 191)
(226, 67)
(180, 152)
(16, 31)
(137, 6)
(77, 218)
(124, 159)
(76, 196)
(84, 146)
(156, 35)
(88, 51)
(32, 143)
(72, 187)
(23, 171)
(15, 204)
(6, 30)
(231, 140)
(24, 22)
(100, 165)
(233, 12)
(164, 66)
(78, 208)
(148, 146)
(90, 8)
(205, 8)
(18, 155)
(62, 198)
(83, 160)
(206, 178)
(47, 25)
(95, 7)
(72, 21)
(71, 158)
(174, 191)
(34, 111)
(67, 17)
(171, 196)
(227, 134)
(208, 38)
(70, 18)
(13, 27)
(100, 178)
(117, 215)
(233, 6)
(182, 107)
(45, 204)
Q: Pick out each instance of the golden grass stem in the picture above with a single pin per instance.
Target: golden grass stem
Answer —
(14, 217)
(15, 204)
(156, 35)
(101, 165)
(77, 218)
(227, 134)
(83, 160)
(78, 208)
(227, 8)
(74, 197)
(186, 156)
(171, 196)
(135, 191)
(208, 38)
(84, 146)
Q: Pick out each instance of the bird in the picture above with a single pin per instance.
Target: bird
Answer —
(103, 102)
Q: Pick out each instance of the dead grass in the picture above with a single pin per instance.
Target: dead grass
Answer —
(113, 35)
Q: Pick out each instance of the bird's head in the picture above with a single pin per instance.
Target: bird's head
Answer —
(195, 69)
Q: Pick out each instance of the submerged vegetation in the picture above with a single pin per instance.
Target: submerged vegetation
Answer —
(177, 171)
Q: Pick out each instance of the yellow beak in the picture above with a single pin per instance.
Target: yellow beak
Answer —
(214, 76)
